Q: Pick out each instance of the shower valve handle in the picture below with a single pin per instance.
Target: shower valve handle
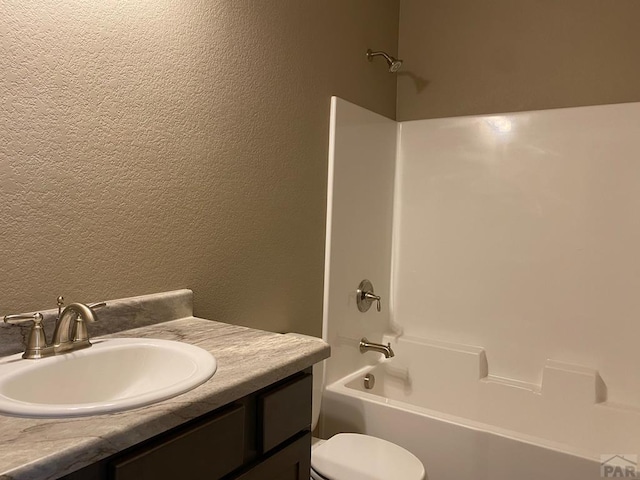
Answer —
(371, 297)
(365, 296)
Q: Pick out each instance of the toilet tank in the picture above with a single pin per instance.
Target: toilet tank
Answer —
(318, 386)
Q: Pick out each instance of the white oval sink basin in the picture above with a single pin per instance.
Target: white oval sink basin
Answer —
(111, 376)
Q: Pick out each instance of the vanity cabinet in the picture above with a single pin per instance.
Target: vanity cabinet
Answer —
(263, 436)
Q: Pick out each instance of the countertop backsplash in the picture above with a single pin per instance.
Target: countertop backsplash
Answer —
(118, 315)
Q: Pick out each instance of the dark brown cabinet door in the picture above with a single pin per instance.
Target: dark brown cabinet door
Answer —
(263, 436)
(284, 411)
(290, 463)
(203, 452)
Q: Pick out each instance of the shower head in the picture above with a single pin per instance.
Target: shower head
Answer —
(395, 66)
(394, 63)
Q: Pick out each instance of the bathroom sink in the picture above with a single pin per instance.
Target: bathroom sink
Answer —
(111, 376)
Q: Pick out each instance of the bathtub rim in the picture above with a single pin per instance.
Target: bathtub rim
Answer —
(339, 387)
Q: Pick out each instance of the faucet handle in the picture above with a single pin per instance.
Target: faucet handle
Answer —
(37, 340)
(371, 297)
(35, 317)
(365, 296)
(79, 329)
(60, 303)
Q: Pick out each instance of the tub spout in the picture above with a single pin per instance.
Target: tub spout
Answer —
(386, 350)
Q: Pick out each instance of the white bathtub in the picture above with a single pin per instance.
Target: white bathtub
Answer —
(527, 432)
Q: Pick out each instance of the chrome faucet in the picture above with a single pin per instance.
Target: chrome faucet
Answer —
(70, 331)
(386, 350)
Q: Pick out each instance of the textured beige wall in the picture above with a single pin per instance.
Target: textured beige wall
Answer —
(467, 57)
(148, 145)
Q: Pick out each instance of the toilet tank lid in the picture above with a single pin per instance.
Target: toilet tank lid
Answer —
(354, 456)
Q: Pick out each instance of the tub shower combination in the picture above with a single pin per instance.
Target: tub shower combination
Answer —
(464, 424)
(441, 399)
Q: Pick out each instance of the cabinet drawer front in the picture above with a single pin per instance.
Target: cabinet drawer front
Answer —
(188, 453)
(284, 411)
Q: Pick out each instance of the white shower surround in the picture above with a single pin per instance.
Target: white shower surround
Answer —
(520, 233)
(513, 273)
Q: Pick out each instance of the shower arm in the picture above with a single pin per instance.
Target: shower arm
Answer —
(371, 54)
(394, 63)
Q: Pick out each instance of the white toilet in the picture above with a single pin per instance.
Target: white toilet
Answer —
(352, 456)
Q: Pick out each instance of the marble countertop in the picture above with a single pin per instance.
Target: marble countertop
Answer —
(248, 360)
